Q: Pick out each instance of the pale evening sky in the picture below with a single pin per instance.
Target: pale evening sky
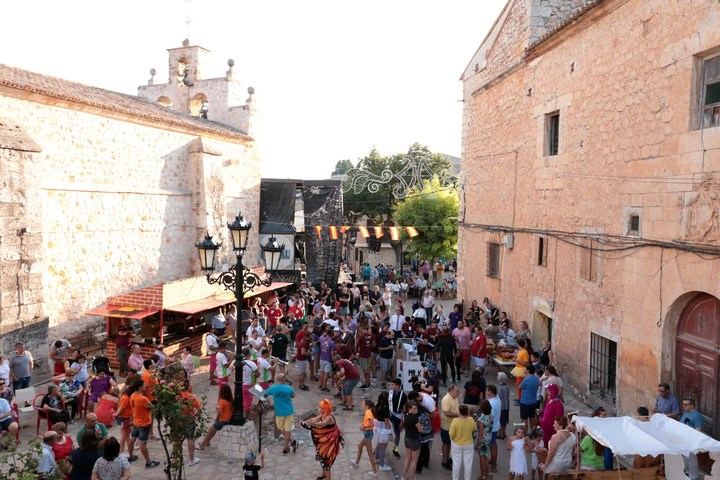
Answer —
(333, 78)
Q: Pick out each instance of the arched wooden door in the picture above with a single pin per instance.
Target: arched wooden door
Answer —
(698, 358)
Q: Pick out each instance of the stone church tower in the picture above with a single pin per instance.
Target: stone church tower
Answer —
(221, 99)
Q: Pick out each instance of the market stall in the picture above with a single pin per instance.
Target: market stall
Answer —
(628, 436)
(172, 313)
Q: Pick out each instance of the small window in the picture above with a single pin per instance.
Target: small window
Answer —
(542, 251)
(588, 261)
(493, 260)
(603, 367)
(634, 225)
(552, 134)
(711, 93)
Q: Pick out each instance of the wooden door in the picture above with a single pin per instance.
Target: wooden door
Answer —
(698, 358)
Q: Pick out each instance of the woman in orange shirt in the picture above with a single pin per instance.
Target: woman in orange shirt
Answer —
(367, 427)
(224, 412)
(123, 415)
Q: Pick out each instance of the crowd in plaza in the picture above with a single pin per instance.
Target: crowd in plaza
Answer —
(337, 340)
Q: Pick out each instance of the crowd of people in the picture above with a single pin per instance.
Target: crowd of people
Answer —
(337, 340)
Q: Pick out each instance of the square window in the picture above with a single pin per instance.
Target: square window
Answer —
(552, 134)
(493, 260)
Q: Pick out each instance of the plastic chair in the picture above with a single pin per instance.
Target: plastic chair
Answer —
(23, 401)
(41, 414)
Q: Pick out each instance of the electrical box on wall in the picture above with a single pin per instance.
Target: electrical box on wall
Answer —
(508, 241)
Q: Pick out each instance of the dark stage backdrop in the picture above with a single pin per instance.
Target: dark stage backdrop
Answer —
(277, 207)
(323, 205)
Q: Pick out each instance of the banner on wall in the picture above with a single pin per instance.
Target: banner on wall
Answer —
(277, 206)
(287, 261)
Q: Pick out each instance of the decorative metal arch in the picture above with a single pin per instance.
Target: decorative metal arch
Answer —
(411, 174)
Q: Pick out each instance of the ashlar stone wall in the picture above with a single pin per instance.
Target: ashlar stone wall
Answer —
(119, 206)
(626, 92)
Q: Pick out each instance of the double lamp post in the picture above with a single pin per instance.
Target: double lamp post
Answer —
(239, 279)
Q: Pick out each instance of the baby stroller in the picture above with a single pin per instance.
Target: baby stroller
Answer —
(101, 362)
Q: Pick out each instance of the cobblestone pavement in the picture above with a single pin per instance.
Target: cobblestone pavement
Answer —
(302, 464)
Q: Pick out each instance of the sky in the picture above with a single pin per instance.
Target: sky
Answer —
(333, 79)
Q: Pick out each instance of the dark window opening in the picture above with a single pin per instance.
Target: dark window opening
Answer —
(493, 260)
(603, 367)
(634, 225)
(552, 134)
(542, 251)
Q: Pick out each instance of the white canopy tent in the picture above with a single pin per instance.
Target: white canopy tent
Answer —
(659, 436)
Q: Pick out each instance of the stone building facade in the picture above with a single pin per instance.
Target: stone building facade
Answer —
(103, 193)
(590, 170)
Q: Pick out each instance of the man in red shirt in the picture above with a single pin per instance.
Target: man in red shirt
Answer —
(296, 311)
(273, 314)
(348, 375)
(432, 332)
(478, 350)
(302, 345)
(364, 347)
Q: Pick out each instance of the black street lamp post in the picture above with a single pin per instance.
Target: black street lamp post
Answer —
(239, 279)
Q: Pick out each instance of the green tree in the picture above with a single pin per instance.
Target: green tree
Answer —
(342, 167)
(404, 167)
(434, 210)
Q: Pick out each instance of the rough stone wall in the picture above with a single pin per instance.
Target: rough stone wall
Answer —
(624, 87)
(116, 205)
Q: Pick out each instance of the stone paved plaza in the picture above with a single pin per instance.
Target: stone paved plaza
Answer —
(301, 465)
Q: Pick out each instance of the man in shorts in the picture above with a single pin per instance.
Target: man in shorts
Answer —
(141, 426)
(302, 346)
(528, 397)
(283, 394)
(327, 348)
(364, 350)
(348, 376)
(386, 350)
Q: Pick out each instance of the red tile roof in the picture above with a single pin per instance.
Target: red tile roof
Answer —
(112, 101)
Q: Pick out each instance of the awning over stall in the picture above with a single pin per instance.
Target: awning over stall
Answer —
(659, 436)
(203, 304)
(118, 311)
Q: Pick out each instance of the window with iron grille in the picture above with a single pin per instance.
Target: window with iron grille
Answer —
(710, 94)
(552, 134)
(603, 367)
(542, 251)
(493, 260)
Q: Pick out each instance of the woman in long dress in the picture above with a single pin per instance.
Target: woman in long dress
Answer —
(553, 408)
(326, 436)
(560, 449)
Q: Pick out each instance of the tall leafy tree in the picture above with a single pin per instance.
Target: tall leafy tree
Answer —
(433, 209)
(342, 167)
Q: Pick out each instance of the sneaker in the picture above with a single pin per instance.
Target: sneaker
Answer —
(132, 458)
(194, 461)
(365, 385)
(396, 453)
(372, 474)
(303, 387)
(354, 464)
(152, 464)
(386, 468)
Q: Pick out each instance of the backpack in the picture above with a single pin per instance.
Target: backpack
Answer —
(424, 418)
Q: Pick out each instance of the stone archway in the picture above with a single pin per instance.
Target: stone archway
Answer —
(697, 357)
